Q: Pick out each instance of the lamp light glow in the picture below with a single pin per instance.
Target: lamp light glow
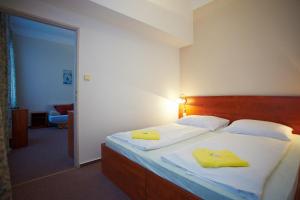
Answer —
(181, 100)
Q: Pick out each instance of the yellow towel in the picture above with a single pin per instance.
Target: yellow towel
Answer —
(218, 158)
(145, 134)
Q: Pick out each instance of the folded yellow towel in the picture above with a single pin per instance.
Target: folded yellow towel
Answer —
(218, 158)
(145, 134)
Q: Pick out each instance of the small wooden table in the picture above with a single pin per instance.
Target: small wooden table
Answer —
(39, 119)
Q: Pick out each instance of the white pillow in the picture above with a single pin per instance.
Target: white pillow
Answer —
(209, 122)
(260, 128)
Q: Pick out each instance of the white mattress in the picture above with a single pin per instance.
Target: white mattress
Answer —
(280, 185)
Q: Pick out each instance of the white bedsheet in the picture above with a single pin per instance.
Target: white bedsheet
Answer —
(169, 134)
(263, 155)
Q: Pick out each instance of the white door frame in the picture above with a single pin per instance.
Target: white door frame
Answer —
(14, 12)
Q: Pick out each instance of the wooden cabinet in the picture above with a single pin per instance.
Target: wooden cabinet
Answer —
(19, 128)
(39, 120)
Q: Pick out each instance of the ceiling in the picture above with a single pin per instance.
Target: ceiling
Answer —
(34, 29)
(198, 3)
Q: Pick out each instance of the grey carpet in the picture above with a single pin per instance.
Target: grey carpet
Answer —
(86, 183)
(45, 154)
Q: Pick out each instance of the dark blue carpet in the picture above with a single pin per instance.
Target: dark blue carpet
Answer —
(45, 154)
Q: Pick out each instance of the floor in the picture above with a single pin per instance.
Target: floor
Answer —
(75, 184)
(43, 170)
(45, 154)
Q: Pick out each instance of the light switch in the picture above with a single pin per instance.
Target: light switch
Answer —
(87, 77)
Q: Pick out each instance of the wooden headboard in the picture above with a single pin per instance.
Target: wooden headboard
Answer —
(280, 109)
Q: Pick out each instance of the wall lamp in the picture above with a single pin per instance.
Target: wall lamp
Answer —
(182, 100)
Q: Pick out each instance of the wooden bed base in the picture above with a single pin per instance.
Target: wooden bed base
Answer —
(140, 183)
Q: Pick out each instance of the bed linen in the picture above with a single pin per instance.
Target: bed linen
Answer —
(58, 119)
(263, 155)
(281, 184)
(169, 134)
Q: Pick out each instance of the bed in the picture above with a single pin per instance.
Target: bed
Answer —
(154, 179)
(59, 116)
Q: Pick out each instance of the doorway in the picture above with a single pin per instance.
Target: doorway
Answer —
(45, 61)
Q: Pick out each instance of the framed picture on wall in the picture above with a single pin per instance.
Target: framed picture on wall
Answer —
(67, 77)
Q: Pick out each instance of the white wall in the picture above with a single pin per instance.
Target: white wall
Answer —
(244, 48)
(39, 69)
(171, 16)
(134, 77)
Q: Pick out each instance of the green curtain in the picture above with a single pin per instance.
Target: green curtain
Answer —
(5, 186)
(4, 77)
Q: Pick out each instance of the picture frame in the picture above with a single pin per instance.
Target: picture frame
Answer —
(67, 77)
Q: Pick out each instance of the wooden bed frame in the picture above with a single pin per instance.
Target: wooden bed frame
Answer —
(140, 183)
